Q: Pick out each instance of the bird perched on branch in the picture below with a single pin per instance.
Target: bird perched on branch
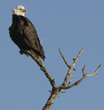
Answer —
(23, 33)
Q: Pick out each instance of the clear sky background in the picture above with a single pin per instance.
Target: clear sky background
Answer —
(68, 24)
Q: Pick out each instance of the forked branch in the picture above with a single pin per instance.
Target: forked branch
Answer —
(57, 90)
(84, 76)
(71, 67)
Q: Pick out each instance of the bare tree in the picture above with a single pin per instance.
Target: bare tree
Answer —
(57, 90)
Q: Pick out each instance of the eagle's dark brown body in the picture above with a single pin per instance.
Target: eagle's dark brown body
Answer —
(24, 35)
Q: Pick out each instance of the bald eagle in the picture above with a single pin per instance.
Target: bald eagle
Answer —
(23, 33)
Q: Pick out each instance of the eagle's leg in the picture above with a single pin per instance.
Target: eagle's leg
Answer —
(34, 56)
(22, 51)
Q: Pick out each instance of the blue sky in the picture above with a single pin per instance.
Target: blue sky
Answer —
(68, 24)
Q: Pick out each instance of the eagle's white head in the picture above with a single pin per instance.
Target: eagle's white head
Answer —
(19, 10)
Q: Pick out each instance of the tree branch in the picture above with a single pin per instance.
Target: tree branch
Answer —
(39, 62)
(65, 60)
(95, 71)
(84, 76)
(42, 39)
(83, 69)
(57, 90)
(71, 68)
